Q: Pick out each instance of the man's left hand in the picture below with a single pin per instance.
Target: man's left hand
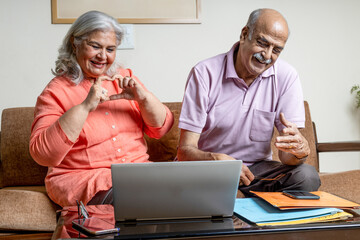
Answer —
(291, 140)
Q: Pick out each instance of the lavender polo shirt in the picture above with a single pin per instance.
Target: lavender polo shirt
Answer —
(233, 118)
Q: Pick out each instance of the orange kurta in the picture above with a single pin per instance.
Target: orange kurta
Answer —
(113, 133)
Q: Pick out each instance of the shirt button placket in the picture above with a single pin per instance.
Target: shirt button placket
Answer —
(114, 138)
(118, 150)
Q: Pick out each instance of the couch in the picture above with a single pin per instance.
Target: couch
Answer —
(24, 205)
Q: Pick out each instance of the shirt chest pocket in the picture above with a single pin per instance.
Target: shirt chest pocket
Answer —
(262, 126)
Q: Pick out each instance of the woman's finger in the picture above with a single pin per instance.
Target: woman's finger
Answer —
(99, 80)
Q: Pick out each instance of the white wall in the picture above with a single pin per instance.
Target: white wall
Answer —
(323, 46)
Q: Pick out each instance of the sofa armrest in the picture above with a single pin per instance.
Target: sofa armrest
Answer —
(1, 168)
(338, 146)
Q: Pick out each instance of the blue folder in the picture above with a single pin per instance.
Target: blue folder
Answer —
(259, 211)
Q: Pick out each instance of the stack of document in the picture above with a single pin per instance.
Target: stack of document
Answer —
(262, 213)
(283, 202)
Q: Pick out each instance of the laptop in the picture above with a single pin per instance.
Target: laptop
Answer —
(175, 190)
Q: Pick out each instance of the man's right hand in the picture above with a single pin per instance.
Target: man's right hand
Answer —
(188, 151)
(246, 176)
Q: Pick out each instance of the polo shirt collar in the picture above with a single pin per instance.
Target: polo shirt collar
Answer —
(230, 66)
(269, 72)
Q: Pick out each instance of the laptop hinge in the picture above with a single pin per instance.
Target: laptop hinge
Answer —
(130, 222)
(217, 218)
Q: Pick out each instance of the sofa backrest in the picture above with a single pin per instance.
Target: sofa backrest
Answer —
(17, 168)
(165, 148)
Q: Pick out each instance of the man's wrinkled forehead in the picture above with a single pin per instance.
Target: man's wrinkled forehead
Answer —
(272, 23)
(274, 34)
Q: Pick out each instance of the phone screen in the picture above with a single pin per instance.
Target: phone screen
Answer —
(94, 226)
(300, 194)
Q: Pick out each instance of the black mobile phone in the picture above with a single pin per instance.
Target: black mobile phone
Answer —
(297, 194)
(94, 226)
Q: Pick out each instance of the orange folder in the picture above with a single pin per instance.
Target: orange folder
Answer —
(283, 202)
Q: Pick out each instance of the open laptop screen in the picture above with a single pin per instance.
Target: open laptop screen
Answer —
(175, 190)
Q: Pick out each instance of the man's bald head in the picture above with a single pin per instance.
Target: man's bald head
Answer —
(266, 18)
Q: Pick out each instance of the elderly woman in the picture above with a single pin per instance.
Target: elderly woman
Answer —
(92, 114)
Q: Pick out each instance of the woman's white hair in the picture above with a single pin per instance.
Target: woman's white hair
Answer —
(66, 63)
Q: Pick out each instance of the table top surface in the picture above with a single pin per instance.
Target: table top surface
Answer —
(200, 228)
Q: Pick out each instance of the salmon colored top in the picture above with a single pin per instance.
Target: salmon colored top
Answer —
(113, 133)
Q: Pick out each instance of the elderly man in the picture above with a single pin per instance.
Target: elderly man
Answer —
(232, 102)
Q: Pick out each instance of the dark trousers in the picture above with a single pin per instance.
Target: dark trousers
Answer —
(273, 176)
(102, 197)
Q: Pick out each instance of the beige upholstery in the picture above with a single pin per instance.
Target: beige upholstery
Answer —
(18, 168)
(24, 204)
(29, 210)
(344, 184)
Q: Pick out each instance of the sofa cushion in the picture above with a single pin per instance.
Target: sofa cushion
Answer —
(26, 209)
(18, 167)
(165, 149)
(343, 184)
